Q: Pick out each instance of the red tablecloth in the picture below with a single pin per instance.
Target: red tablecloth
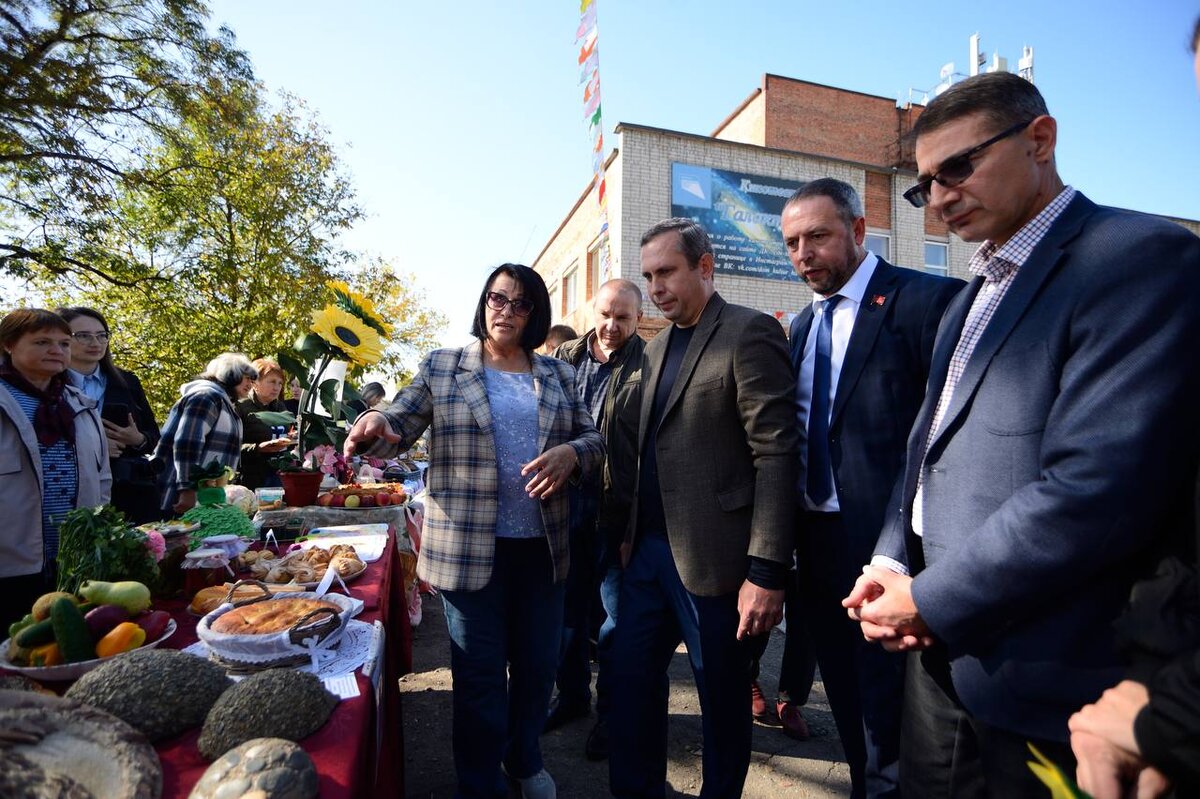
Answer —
(354, 753)
(359, 751)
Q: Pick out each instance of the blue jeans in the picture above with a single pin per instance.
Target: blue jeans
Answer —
(504, 642)
(656, 613)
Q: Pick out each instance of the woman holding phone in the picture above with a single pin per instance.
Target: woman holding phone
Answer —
(129, 422)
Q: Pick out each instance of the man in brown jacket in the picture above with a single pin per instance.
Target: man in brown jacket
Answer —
(709, 541)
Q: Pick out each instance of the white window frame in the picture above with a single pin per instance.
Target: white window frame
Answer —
(570, 283)
(942, 269)
(887, 238)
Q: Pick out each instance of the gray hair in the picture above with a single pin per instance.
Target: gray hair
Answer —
(1003, 98)
(693, 240)
(229, 369)
(841, 194)
(623, 286)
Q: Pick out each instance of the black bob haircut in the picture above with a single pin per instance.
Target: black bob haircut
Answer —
(534, 289)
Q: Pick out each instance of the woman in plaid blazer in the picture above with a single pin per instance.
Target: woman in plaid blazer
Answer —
(507, 430)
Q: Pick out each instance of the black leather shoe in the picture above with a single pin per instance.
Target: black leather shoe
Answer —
(596, 748)
(561, 713)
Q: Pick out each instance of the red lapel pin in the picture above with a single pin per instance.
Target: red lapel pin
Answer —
(879, 300)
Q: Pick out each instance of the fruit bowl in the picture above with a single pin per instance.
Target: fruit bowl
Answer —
(73, 671)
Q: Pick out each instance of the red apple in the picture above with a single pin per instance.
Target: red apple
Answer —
(325, 500)
(383, 499)
(398, 498)
(368, 500)
(338, 501)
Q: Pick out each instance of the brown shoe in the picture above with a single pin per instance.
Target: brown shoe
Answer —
(759, 707)
(794, 725)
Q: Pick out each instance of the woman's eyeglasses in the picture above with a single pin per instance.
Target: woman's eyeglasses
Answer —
(497, 301)
(88, 338)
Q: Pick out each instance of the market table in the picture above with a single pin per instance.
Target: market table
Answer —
(358, 750)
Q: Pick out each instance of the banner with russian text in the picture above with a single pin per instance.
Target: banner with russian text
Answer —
(741, 213)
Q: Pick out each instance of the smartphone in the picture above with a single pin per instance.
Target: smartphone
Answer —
(115, 412)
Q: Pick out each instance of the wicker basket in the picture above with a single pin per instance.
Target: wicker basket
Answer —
(246, 654)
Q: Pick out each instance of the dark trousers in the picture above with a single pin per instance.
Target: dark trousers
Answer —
(656, 613)
(864, 683)
(797, 669)
(574, 678)
(503, 649)
(944, 752)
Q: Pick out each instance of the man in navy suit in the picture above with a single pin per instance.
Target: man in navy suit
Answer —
(1053, 460)
(861, 353)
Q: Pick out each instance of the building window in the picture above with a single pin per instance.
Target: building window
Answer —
(936, 258)
(570, 289)
(880, 244)
(555, 311)
(594, 278)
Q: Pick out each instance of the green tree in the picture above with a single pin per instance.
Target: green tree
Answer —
(89, 89)
(244, 234)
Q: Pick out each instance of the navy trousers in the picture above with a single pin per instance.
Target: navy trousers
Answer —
(503, 651)
(656, 613)
(864, 683)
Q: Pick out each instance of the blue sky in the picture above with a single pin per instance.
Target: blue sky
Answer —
(461, 123)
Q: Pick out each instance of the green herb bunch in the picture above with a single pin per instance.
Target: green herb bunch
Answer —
(99, 544)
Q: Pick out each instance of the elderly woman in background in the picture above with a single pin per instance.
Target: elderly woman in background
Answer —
(129, 422)
(259, 442)
(508, 431)
(53, 454)
(202, 427)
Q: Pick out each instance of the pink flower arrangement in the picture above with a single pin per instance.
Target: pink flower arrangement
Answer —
(331, 462)
(156, 544)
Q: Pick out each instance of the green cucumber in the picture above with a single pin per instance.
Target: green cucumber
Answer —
(71, 632)
(37, 634)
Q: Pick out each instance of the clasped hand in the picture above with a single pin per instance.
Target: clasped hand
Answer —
(121, 437)
(881, 602)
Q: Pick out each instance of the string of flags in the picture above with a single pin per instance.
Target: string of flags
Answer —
(589, 78)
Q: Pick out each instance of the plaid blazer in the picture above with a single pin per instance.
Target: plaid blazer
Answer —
(449, 398)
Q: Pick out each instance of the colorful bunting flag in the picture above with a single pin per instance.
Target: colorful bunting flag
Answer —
(589, 78)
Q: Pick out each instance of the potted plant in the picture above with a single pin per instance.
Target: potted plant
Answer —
(300, 477)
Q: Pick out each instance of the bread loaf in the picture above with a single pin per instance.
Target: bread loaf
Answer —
(268, 616)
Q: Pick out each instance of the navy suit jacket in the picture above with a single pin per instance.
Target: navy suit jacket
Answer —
(879, 391)
(1064, 466)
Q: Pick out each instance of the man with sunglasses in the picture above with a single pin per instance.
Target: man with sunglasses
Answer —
(1054, 456)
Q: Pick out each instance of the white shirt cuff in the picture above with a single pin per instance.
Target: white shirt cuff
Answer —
(884, 562)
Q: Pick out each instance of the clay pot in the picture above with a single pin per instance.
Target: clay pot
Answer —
(301, 488)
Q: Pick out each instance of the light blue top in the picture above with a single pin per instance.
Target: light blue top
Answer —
(92, 385)
(515, 430)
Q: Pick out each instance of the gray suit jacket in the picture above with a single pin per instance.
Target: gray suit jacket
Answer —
(727, 447)
(1065, 464)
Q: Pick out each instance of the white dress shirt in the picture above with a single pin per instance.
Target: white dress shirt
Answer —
(843, 325)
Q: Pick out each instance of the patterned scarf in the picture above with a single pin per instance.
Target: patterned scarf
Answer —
(54, 419)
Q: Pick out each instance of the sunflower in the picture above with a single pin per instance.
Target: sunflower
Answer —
(347, 334)
(361, 306)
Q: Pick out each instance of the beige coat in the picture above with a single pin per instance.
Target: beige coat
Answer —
(21, 478)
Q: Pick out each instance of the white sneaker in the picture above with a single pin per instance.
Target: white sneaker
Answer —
(539, 786)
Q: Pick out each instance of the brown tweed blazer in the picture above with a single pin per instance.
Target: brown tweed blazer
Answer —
(727, 447)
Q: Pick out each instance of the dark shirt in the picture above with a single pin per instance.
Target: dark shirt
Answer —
(592, 381)
(652, 519)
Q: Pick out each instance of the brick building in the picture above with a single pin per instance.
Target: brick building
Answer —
(735, 181)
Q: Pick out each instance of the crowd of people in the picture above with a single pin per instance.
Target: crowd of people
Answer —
(976, 499)
(970, 479)
(77, 431)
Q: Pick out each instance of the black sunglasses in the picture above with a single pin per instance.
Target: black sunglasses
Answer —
(957, 168)
(496, 301)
